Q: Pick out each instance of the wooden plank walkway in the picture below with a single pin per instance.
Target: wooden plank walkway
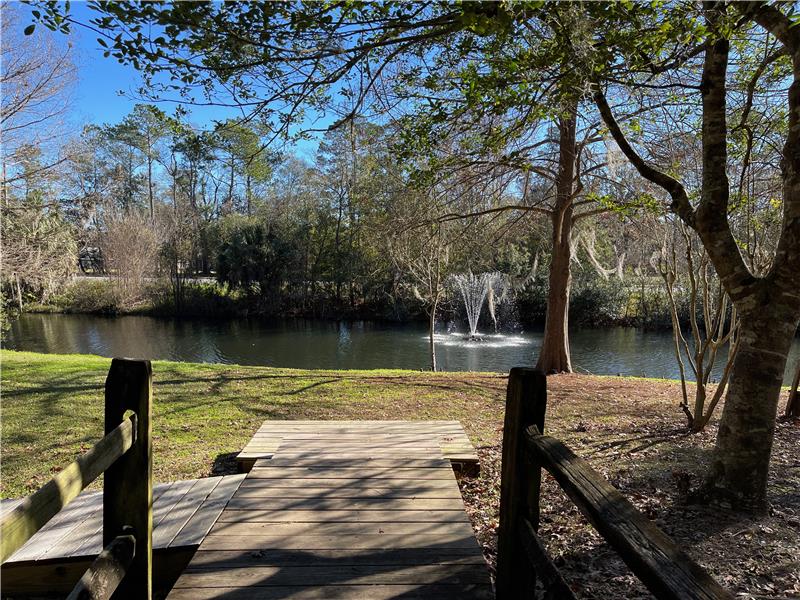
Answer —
(410, 439)
(344, 510)
(183, 514)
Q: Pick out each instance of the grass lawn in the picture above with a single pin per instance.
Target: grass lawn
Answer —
(631, 430)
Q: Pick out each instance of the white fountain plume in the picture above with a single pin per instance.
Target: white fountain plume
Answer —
(474, 290)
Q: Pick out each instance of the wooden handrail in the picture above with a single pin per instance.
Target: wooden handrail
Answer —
(668, 572)
(37, 509)
(657, 561)
(125, 455)
(107, 571)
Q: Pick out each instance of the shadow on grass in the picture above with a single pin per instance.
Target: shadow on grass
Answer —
(225, 464)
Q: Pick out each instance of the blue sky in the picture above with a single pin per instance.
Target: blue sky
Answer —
(105, 91)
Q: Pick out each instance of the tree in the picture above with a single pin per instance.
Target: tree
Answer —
(246, 157)
(36, 78)
(178, 249)
(130, 246)
(768, 305)
(39, 251)
(711, 323)
(284, 71)
(253, 254)
(423, 255)
(145, 128)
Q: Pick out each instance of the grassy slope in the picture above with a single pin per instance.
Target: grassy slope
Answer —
(629, 429)
(53, 408)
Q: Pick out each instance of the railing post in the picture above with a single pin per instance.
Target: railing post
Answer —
(526, 402)
(128, 484)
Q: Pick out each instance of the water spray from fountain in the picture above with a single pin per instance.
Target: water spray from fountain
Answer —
(474, 290)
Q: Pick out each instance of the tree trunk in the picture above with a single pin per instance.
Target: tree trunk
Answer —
(554, 356)
(740, 464)
(769, 307)
(249, 192)
(150, 188)
(431, 332)
(231, 182)
(793, 404)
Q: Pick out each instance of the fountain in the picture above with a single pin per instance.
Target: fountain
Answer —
(474, 290)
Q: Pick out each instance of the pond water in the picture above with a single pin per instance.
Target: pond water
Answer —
(311, 344)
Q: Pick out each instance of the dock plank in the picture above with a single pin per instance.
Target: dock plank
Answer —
(258, 528)
(378, 491)
(180, 514)
(414, 473)
(198, 526)
(257, 515)
(262, 576)
(340, 592)
(76, 531)
(344, 509)
(340, 556)
(387, 440)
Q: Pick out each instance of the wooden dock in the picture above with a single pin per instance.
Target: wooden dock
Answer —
(344, 509)
(361, 439)
(55, 558)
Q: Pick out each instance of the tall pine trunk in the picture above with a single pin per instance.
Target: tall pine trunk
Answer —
(554, 355)
(150, 188)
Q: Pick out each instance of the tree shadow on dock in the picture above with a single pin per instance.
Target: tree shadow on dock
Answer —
(447, 570)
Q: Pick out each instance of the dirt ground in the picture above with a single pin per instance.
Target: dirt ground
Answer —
(632, 432)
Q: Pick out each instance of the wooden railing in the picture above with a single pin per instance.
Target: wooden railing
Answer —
(125, 456)
(654, 558)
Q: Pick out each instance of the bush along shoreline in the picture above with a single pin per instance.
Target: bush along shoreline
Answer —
(602, 304)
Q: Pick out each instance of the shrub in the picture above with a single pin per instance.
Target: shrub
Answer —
(89, 296)
(199, 300)
(601, 302)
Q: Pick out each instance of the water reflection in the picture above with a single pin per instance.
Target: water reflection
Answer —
(343, 346)
(312, 344)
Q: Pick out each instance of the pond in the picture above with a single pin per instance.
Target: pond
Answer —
(312, 344)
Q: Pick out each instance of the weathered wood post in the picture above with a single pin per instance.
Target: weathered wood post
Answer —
(526, 401)
(128, 485)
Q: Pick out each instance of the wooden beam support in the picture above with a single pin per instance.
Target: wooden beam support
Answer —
(128, 486)
(555, 586)
(107, 571)
(526, 402)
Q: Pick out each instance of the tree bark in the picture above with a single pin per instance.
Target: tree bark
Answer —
(431, 334)
(740, 464)
(554, 356)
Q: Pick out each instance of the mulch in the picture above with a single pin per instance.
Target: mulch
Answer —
(633, 433)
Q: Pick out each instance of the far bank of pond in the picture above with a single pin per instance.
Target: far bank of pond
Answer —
(317, 344)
